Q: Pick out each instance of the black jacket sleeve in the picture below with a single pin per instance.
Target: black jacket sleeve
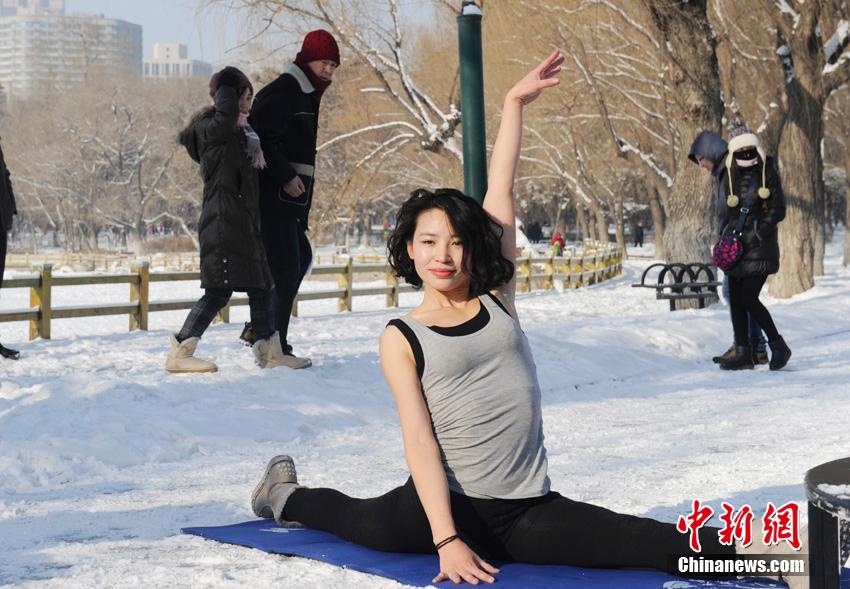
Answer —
(11, 192)
(223, 124)
(270, 118)
(776, 202)
(8, 180)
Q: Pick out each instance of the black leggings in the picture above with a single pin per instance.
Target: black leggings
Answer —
(543, 530)
(744, 301)
(214, 300)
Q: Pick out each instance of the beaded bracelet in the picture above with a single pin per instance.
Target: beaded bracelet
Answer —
(439, 545)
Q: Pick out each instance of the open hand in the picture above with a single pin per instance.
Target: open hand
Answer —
(542, 77)
(458, 563)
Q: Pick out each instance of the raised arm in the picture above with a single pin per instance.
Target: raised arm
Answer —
(457, 561)
(499, 201)
(223, 124)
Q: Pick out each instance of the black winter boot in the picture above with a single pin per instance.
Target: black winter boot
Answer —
(247, 336)
(780, 353)
(725, 355)
(759, 357)
(9, 353)
(742, 359)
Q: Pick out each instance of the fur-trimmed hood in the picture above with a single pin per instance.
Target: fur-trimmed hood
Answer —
(188, 138)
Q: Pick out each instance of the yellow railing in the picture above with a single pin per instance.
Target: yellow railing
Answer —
(532, 272)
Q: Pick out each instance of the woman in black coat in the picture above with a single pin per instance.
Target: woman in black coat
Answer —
(232, 254)
(753, 178)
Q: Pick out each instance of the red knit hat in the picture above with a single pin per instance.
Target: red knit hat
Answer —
(318, 45)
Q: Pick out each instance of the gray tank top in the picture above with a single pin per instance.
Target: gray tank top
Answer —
(484, 399)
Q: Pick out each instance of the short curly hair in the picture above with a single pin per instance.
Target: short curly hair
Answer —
(480, 234)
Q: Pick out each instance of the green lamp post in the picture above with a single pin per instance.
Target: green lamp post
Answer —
(472, 100)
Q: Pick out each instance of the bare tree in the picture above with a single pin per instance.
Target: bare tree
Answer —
(102, 157)
(792, 67)
(837, 147)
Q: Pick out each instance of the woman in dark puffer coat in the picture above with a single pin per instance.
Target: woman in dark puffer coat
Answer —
(232, 254)
(752, 177)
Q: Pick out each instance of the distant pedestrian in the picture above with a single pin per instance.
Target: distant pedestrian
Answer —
(534, 233)
(639, 235)
(558, 243)
(232, 254)
(8, 209)
(286, 116)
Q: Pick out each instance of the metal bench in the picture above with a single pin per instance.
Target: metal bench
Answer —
(677, 281)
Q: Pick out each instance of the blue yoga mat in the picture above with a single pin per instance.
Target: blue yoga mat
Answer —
(419, 569)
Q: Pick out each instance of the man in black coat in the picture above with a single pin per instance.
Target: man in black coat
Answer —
(7, 211)
(286, 117)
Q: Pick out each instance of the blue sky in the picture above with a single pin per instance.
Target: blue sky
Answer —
(208, 36)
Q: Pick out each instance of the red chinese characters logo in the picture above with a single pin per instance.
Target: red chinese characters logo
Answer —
(782, 523)
(693, 522)
(779, 524)
(736, 525)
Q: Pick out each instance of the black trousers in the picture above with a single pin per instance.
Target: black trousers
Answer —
(744, 304)
(289, 253)
(214, 300)
(544, 530)
(3, 245)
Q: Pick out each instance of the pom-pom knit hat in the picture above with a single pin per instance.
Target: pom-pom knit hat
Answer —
(742, 139)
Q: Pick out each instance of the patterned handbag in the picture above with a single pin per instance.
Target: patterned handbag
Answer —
(729, 249)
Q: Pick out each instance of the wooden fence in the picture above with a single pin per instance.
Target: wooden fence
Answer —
(573, 270)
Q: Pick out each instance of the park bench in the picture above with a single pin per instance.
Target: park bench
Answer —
(676, 282)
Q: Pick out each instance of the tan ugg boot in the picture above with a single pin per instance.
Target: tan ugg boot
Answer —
(268, 353)
(181, 358)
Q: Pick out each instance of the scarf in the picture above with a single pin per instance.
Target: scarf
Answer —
(318, 83)
(250, 142)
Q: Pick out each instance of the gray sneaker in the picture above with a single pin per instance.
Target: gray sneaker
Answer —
(278, 482)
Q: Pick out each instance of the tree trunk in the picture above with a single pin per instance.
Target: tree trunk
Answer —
(847, 210)
(620, 223)
(687, 236)
(657, 212)
(819, 248)
(601, 225)
(692, 76)
(581, 218)
(802, 182)
(801, 234)
(592, 227)
(139, 238)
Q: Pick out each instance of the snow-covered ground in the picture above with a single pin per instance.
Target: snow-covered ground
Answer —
(104, 456)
